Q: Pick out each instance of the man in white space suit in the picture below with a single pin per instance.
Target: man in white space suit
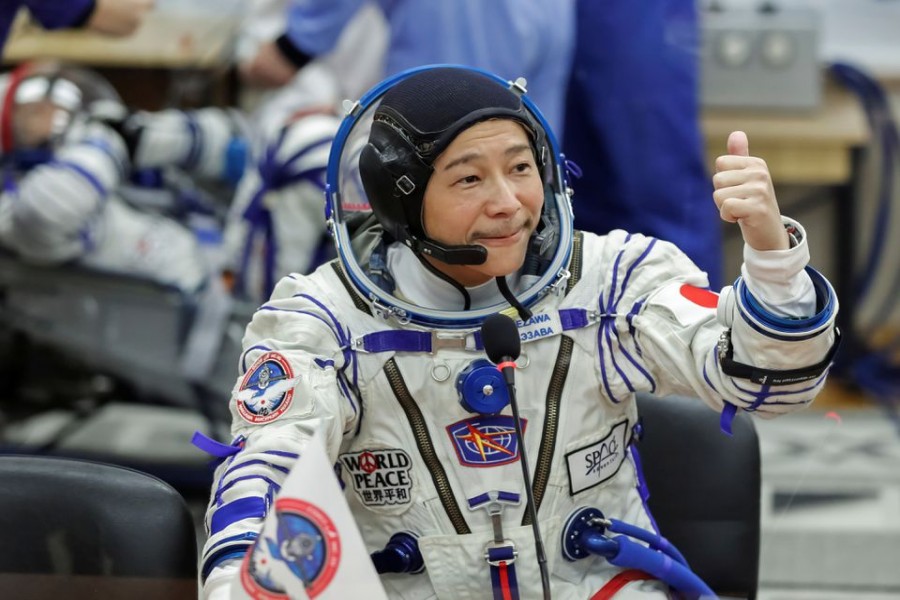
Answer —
(380, 350)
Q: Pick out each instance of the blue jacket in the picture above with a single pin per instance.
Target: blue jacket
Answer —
(632, 125)
(512, 38)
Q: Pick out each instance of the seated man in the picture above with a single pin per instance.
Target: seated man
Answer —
(379, 351)
(68, 147)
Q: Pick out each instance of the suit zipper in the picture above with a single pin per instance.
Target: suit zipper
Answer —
(554, 394)
(426, 448)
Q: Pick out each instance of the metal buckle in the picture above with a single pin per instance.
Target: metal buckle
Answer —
(723, 346)
(388, 312)
(497, 545)
(406, 185)
(562, 279)
(494, 504)
(439, 342)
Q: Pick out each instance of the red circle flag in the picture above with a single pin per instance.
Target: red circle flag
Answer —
(700, 296)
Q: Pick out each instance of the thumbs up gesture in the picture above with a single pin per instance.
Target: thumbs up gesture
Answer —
(745, 195)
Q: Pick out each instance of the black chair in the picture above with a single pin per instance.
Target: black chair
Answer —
(74, 517)
(704, 489)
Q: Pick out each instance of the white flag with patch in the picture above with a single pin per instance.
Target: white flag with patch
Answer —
(309, 546)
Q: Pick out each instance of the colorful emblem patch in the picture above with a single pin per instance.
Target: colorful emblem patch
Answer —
(304, 553)
(380, 477)
(485, 441)
(266, 390)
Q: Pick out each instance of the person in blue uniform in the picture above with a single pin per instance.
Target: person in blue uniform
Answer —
(632, 126)
(528, 38)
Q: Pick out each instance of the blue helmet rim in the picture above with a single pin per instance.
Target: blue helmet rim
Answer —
(410, 313)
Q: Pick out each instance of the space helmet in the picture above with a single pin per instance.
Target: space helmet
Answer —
(41, 102)
(381, 160)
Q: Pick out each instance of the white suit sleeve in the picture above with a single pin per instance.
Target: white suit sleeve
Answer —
(665, 333)
(291, 385)
(287, 190)
(218, 584)
(56, 208)
(210, 142)
(778, 278)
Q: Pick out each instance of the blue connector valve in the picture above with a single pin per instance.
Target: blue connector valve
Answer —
(481, 388)
(585, 533)
(400, 555)
(583, 521)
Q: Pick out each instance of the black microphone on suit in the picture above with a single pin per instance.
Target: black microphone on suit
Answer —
(500, 337)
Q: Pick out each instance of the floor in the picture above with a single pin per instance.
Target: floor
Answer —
(831, 501)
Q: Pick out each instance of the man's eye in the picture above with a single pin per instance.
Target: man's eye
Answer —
(468, 179)
(522, 167)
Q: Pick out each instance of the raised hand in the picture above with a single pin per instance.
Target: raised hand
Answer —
(119, 17)
(268, 69)
(745, 195)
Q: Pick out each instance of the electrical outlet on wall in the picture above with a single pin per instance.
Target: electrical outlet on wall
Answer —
(763, 58)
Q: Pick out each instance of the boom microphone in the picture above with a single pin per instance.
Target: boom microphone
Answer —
(500, 337)
(501, 343)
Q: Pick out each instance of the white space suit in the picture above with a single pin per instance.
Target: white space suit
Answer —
(335, 353)
(66, 208)
(576, 386)
(276, 224)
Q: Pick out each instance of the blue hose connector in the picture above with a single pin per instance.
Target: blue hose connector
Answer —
(400, 555)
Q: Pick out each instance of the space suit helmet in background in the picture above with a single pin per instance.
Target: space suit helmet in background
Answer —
(380, 164)
(43, 99)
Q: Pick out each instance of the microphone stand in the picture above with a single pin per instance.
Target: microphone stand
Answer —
(507, 368)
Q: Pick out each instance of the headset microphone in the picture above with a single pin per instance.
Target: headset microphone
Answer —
(500, 337)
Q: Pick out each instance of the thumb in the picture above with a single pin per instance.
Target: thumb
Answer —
(738, 144)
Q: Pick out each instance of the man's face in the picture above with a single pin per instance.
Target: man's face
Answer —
(36, 123)
(485, 190)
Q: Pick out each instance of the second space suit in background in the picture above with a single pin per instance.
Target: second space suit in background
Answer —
(69, 147)
(276, 224)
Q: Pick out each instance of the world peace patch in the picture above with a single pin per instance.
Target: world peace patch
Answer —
(267, 389)
(380, 477)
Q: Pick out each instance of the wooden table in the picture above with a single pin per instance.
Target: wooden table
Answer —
(164, 40)
(173, 59)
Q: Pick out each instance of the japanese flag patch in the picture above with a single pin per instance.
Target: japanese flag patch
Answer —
(687, 303)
